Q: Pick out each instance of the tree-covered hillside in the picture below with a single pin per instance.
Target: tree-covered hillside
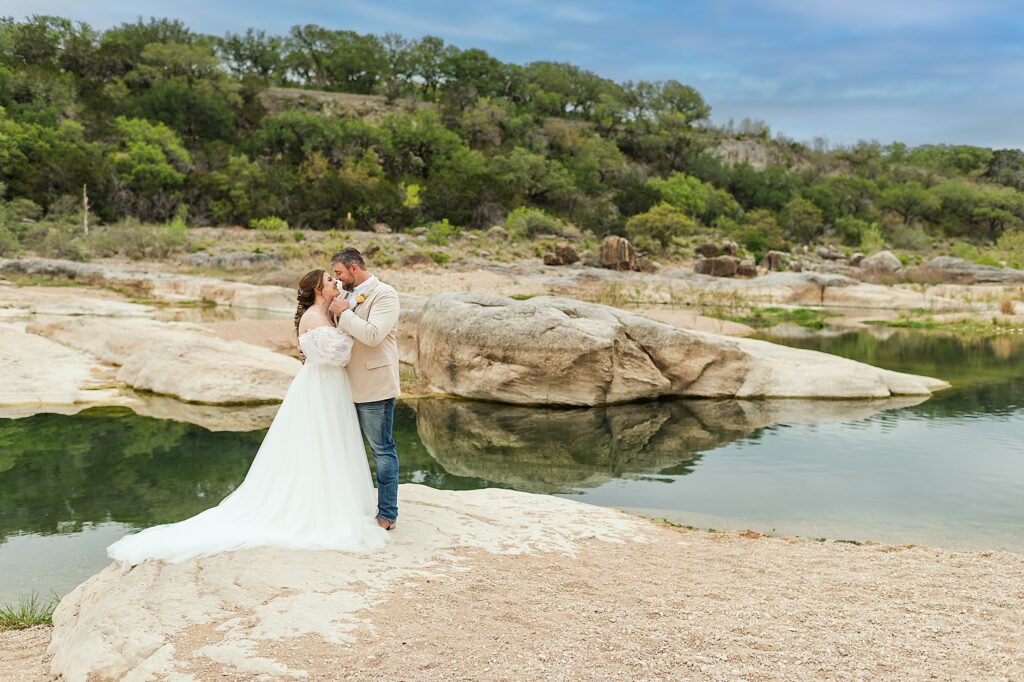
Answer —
(162, 123)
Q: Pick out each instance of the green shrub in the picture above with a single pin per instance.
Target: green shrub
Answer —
(440, 232)
(871, 239)
(850, 230)
(269, 224)
(9, 243)
(527, 223)
(659, 226)
(439, 257)
(761, 233)
(298, 235)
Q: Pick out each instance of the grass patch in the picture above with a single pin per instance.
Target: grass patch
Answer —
(849, 542)
(522, 297)
(41, 281)
(760, 318)
(958, 327)
(28, 612)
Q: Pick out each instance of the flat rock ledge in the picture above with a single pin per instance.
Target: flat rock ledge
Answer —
(559, 351)
(148, 621)
(167, 287)
(498, 585)
(177, 359)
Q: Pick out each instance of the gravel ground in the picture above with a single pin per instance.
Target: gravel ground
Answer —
(684, 605)
(693, 605)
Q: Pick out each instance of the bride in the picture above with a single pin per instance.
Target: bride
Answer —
(309, 486)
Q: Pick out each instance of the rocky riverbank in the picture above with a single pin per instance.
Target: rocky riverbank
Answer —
(107, 348)
(598, 595)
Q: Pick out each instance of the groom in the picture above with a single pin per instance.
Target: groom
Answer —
(369, 314)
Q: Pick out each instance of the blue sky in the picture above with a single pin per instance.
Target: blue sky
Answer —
(916, 71)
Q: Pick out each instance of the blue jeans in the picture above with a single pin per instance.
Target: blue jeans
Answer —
(375, 420)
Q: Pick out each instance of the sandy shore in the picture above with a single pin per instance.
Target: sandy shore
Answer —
(682, 605)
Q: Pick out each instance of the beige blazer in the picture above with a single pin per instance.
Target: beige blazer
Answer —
(373, 369)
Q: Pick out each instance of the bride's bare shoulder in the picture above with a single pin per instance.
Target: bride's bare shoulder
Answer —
(311, 319)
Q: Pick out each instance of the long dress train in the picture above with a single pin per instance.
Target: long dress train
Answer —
(309, 486)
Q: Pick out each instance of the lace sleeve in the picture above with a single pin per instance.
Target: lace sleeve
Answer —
(333, 346)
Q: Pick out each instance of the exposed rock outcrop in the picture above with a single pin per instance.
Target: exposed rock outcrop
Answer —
(161, 286)
(225, 611)
(176, 359)
(563, 352)
(960, 270)
(39, 372)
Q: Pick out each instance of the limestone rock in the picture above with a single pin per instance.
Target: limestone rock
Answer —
(235, 260)
(958, 269)
(39, 372)
(418, 231)
(162, 286)
(617, 253)
(382, 228)
(883, 261)
(410, 312)
(557, 351)
(230, 608)
(746, 268)
(180, 360)
(855, 259)
(564, 254)
(498, 233)
(775, 260)
(719, 266)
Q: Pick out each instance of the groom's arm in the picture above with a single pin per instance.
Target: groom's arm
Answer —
(378, 324)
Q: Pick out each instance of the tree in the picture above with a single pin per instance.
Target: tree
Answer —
(660, 224)
(801, 220)
(253, 54)
(909, 201)
(529, 178)
(150, 164)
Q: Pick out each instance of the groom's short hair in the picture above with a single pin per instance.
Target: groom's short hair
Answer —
(348, 257)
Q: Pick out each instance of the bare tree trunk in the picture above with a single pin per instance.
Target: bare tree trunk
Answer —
(85, 211)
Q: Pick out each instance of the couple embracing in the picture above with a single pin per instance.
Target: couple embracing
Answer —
(309, 486)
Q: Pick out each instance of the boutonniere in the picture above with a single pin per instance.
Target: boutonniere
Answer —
(360, 298)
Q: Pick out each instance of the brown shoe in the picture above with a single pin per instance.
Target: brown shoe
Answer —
(385, 524)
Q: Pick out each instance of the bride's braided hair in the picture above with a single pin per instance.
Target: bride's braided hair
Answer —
(310, 285)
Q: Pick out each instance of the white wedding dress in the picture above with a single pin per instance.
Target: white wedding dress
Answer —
(309, 486)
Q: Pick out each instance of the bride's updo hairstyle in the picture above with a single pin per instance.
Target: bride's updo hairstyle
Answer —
(311, 284)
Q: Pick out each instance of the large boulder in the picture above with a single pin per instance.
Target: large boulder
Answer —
(617, 253)
(883, 261)
(181, 360)
(557, 351)
(718, 266)
(775, 261)
(564, 254)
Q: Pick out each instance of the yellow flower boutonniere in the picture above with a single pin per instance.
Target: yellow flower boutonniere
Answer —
(360, 298)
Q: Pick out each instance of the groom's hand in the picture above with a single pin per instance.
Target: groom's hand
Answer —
(340, 305)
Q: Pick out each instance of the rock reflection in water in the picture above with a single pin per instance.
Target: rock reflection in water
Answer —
(548, 450)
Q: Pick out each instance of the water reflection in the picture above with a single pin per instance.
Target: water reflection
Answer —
(556, 450)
